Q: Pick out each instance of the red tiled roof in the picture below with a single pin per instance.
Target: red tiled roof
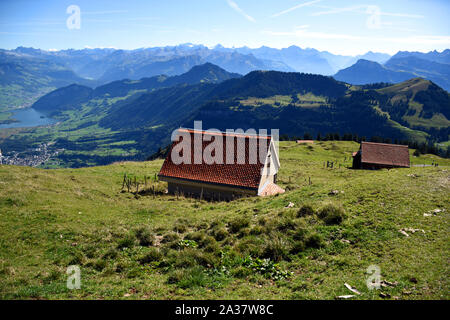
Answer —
(305, 141)
(386, 154)
(239, 173)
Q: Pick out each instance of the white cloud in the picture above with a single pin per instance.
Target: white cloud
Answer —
(104, 12)
(339, 10)
(235, 7)
(305, 4)
(303, 32)
(362, 10)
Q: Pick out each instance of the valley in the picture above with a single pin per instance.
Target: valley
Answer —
(97, 122)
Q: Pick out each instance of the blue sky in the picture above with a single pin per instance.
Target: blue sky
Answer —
(339, 26)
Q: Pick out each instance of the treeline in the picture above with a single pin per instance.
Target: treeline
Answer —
(421, 148)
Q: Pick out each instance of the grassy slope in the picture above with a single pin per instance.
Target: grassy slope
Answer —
(53, 218)
(406, 91)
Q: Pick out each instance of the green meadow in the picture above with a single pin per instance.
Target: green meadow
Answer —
(329, 226)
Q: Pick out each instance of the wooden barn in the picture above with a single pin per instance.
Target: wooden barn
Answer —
(373, 155)
(237, 175)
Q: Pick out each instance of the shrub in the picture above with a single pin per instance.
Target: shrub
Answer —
(99, 264)
(286, 224)
(121, 267)
(331, 214)
(145, 236)
(300, 234)
(305, 210)
(126, 242)
(251, 246)
(207, 241)
(256, 230)
(170, 237)
(181, 226)
(262, 221)
(238, 223)
(202, 226)
(276, 249)
(90, 251)
(175, 276)
(110, 254)
(151, 256)
(213, 248)
(191, 257)
(241, 272)
(314, 240)
(297, 247)
(198, 236)
(190, 278)
(219, 234)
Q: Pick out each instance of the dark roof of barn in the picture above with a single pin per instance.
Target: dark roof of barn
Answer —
(385, 154)
(237, 174)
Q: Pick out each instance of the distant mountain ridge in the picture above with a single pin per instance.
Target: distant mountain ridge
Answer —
(94, 67)
(71, 97)
(404, 65)
(131, 119)
(366, 72)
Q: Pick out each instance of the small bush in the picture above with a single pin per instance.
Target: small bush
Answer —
(276, 249)
(314, 240)
(305, 210)
(151, 256)
(121, 267)
(286, 224)
(181, 226)
(297, 247)
(99, 264)
(202, 226)
(220, 234)
(257, 230)
(170, 237)
(189, 278)
(110, 254)
(241, 272)
(90, 251)
(331, 214)
(252, 246)
(126, 242)
(191, 257)
(145, 236)
(175, 276)
(238, 223)
(300, 234)
(213, 248)
(198, 236)
(207, 241)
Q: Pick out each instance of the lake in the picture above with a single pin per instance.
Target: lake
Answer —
(27, 117)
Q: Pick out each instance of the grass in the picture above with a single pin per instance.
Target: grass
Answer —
(145, 246)
(307, 100)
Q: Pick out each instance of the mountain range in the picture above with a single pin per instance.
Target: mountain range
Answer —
(404, 65)
(28, 73)
(131, 119)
